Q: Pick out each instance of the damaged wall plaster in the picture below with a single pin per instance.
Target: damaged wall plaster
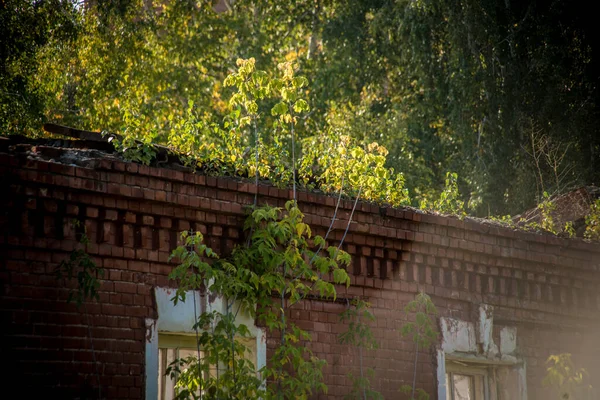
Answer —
(474, 343)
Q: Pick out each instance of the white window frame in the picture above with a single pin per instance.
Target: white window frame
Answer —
(472, 343)
(179, 320)
(455, 367)
(166, 343)
(464, 364)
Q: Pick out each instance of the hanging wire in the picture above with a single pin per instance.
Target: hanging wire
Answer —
(197, 341)
(190, 249)
(293, 160)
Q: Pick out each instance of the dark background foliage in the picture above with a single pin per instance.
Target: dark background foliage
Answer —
(502, 92)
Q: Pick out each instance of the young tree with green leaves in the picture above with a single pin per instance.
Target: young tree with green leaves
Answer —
(567, 381)
(423, 333)
(265, 278)
(359, 335)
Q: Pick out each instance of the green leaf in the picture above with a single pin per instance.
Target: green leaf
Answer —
(279, 109)
(319, 241)
(301, 105)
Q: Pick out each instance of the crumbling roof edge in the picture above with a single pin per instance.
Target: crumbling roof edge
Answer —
(49, 150)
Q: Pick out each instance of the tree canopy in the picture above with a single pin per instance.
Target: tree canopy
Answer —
(503, 93)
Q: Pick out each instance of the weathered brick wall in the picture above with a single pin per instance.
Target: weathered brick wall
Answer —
(544, 285)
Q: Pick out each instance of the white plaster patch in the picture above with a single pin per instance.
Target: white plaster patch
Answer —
(473, 344)
(486, 328)
(441, 374)
(243, 317)
(458, 336)
(151, 359)
(508, 340)
(176, 318)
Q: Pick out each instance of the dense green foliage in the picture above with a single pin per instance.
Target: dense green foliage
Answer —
(264, 278)
(592, 221)
(281, 264)
(501, 93)
(26, 29)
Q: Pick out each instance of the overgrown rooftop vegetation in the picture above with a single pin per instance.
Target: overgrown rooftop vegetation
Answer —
(470, 109)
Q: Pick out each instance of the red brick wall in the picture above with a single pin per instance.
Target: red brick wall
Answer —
(546, 286)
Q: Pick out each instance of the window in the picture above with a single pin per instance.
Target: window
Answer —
(471, 366)
(171, 336)
(174, 346)
(170, 348)
(466, 381)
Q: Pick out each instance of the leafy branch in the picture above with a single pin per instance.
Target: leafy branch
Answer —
(359, 335)
(81, 266)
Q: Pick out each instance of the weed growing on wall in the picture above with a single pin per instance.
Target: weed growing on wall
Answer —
(259, 137)
(423, 333)
(450, 201)
(360, 336)
(82, 268)
(546, 208)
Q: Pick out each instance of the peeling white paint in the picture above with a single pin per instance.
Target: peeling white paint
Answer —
(151, 359)
(485, 328)
(458, 335)
(508, 340)
(176, 318)
(523, 380)
(441, 374)
(261, 349)
(474, 344)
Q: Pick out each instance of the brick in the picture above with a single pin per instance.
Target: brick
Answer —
(91, 212)
(135, 311)
(527, 277)
(125, 287)
(139, 266)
